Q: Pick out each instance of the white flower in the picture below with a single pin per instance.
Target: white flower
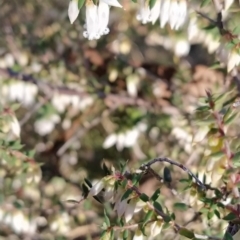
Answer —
(130, 210)
(113, 3)
(182, 14)
(144, 12)
(73, 10)
(156, 228)
(131, 137)
(97, 17)
(109, 193)
(120, 141)
(121, 207)
(132, 84)
(110, 141)
(155, 12)
(91, 21)
(173, 12)
(181, 48)
(103, 17)
(45, 125)
(15, 127)
(138, 235)
(229, 58)
(164, 15)
(227, 4)
(96, 189)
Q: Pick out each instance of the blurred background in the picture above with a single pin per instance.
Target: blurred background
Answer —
(129, 96)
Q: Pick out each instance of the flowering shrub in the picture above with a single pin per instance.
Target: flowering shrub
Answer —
(146, 89)
(212, 193)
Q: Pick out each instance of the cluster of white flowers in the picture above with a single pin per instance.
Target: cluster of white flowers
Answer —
(173, 12)
(124, 139)
(22, 92)
(18, 221)
(61, 101)
(125, 208)
(228, 57)
(97, 16)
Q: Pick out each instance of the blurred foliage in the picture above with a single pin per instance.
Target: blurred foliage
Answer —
(68, 104)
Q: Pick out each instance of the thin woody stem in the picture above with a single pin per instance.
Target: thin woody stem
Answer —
(168, 160)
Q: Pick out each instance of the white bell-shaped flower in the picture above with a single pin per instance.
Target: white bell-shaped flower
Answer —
(155, 12)
(144, 12)
(182, 14)
(73, 10)
(91, 21)
(113, 3)
(103, 18)
(164, 15)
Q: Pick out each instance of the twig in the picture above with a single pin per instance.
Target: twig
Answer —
(164, 159)
(47, 89)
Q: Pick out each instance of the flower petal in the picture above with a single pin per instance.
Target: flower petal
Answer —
(97, 188)
(73, 10)
(110, 141)
(103, 17)
(113, 3)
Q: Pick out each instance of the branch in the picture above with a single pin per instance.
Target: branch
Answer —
(164, 159)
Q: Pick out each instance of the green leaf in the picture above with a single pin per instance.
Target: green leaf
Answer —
(210, 215)
(166, 225)
(97, 199)
(155, 196)
(167, 175)
(88, 182)
(205, 2)
(186, 233)
(144, 197)
(85, 190)
(80, 4)
(123, 166)
(217, 154)
(217, 213)
(231, 216)
(158, 206)
(124, 183)
(231, 119)
(106, 218)
(152, 3)
(72, 201)
(15, 106)
(125, 235)
(180, 206)
(103, 234)
(126, 194)
(236, 30)
(209, 27)
(147, 217)
(236, 159)
(202, 108)
(228, 236)
(184, 180)
(136, 178)
(106, 170)
(227, 114)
